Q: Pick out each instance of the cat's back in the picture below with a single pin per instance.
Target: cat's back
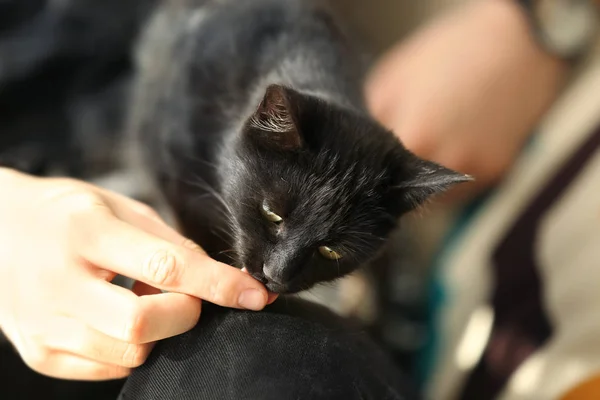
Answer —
(199, 62)
(203, 65)
(223, 47)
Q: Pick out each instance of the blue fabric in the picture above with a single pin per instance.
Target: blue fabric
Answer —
(438, 293)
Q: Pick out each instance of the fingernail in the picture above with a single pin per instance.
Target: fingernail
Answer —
(271, 297)
(252, 299)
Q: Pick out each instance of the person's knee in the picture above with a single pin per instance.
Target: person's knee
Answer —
(275, 354)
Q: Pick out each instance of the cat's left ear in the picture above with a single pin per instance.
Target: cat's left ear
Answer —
(417, 180)
(274, 123)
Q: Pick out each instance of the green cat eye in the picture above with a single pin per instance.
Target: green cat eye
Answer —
(329, 253)
(270, 215)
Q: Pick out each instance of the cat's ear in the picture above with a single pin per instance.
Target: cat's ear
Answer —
(418, 179)
(274, 122)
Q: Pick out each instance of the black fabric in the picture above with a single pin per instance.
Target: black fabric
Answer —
(291, 350)
(18, 382)
(64, 81)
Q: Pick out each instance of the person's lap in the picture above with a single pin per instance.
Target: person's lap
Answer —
(291, 350)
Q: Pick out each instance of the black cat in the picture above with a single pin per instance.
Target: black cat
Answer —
(251, 118)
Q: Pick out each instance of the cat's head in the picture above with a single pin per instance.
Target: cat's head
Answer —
(315, 190)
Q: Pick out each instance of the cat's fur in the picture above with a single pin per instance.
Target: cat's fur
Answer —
(244, 102)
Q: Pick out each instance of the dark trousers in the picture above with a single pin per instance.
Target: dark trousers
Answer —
(292, 350)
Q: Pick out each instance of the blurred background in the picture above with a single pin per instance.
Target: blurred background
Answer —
(65, 74)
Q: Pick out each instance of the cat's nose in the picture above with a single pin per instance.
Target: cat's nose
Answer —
(273, 275)
(259, 276)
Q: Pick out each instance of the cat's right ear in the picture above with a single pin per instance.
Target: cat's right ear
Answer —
(417, 179)
(273, 125)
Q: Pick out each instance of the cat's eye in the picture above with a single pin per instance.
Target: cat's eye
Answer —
(329, 253)
(270, 215)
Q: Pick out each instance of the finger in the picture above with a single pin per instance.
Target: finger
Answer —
(143, 219)
(124, 206)
(73, 336)
(271, 297)
(110, 243)
(142, 289)
(63, 365)
(119, 313)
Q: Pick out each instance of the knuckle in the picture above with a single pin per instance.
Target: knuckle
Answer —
(38, 358)
(91, 350)
(135, 326)
(190, 245)
(216, 290)
(80, 238)
(147, 211)
(113, 372)
(133, 356)
(83, 200)
(79, 217)
(76, 223)
(162, 268)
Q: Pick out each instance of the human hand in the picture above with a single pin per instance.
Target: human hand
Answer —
(467, 90)
(62, 242)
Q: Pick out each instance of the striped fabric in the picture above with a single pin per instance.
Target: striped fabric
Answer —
(520, 316)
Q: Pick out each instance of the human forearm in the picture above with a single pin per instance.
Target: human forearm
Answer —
(467, 89)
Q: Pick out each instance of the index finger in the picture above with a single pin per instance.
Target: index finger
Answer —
(107, 242)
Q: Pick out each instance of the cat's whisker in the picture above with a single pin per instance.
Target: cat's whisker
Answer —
(231, 254)
(220, 210)
(219, 235)
(205, 162)
(228, 218)
(227, 251)
(202, 184)
(221, 150)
